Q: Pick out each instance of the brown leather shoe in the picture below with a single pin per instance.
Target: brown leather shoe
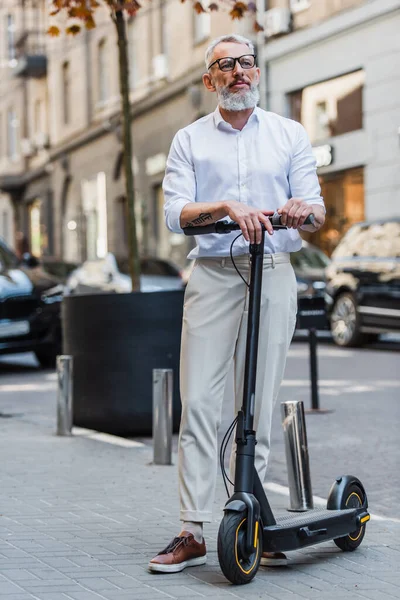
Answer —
(182, 552)
(273, 559)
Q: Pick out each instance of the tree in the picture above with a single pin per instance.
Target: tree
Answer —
(82, 12)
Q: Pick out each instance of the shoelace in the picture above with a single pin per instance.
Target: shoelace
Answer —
(174, 544)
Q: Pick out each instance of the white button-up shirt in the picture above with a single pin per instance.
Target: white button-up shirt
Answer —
(266, 163)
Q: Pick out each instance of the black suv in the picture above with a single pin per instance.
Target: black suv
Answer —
(30, 300)
(363, 283)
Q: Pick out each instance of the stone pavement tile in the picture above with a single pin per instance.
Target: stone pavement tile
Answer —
(48, 574)
(20, 596)
(379, 595)
(183, 591)
(51, 596)
(124, 582)
(17, 574)
(140, 594)
(7, 587)
(81, 594)
(88, 572)
(96, 584)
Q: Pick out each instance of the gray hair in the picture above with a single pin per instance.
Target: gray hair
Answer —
(237, 39)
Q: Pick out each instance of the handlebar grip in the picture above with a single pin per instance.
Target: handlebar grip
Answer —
(310, 220)
(199, 230)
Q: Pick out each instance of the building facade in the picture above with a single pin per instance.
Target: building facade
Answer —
(68, 193)
(335, 67)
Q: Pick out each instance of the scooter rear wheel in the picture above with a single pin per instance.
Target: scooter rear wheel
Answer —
(352, 498)
(236, 565)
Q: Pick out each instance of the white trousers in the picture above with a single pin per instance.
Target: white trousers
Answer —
(213, 335)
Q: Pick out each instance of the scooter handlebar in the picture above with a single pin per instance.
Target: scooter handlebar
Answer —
(227, 226)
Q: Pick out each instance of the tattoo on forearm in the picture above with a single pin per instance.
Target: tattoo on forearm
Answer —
(202, 218)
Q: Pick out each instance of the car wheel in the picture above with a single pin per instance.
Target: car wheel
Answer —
(345, 322)
(47, 357)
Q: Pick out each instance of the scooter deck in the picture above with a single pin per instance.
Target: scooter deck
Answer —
(315, 526)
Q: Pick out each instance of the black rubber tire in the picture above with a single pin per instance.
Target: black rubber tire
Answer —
(47, 357)
(237, 569)
(353, 497)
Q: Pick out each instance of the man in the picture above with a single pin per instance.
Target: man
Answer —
(242, 163)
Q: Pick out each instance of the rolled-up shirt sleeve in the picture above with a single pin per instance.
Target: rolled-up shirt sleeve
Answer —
(303, 178)
(179, 183)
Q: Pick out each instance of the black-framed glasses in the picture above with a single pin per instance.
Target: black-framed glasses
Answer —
(247, 61)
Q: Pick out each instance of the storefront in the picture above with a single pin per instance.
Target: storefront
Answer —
(338, 78)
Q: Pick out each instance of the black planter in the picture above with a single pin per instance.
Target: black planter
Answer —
(116, 341)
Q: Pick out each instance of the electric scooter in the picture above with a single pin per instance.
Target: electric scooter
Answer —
(248, 527)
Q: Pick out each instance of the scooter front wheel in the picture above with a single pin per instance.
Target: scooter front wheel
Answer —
(237, 565)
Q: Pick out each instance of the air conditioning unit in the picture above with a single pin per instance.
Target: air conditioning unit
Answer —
(276, 21)
(41, 140)
(160, 66)
(27, 148)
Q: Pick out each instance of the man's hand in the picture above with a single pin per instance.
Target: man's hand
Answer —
(295, 212)
(249, 218)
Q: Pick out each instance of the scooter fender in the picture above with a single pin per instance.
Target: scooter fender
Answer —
(338, 491)
(235, 506)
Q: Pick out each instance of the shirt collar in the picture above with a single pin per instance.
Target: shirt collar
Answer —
(221, 123)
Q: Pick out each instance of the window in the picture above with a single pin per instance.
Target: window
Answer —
(95, 216)
(66, 91)
(12, 124)
(201, 27)
(102, 71)
(38, 125)
(299, 5)
(134, 63)
(321, 121)
(10, 38)
(330, 108)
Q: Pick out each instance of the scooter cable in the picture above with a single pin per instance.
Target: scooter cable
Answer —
(223, 448)
(233, 262)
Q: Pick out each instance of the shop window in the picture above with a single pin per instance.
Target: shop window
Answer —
(10, 39)
(201, 27)
(330, 108)
(343, 194)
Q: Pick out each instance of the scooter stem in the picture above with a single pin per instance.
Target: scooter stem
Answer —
(257, 260)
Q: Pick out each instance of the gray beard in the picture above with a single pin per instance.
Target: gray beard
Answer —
(235, 101)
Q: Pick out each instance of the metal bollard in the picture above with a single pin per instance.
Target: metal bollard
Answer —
(162, 416)
(64, 394)
(294, 428)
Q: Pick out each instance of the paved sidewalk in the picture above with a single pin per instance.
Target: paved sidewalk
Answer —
(80, 519)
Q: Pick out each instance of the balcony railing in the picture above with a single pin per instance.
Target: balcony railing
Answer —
(30, 54)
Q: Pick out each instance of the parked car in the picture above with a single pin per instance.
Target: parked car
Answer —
(111, 274)
(363, 283)
(309, 265)
(30, 301)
